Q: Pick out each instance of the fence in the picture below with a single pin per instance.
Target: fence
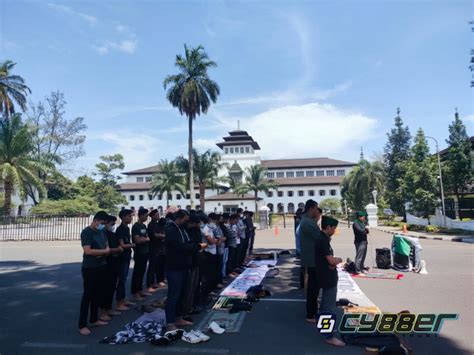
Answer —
(42, 228)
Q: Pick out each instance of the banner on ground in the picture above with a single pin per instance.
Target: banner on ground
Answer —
(347, 288)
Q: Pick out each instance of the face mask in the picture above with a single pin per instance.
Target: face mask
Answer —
(101, 227)
(113, 228)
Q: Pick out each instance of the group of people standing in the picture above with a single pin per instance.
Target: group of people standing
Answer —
(190, 252)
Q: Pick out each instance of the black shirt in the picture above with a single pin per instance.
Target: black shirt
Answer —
(360, 233)
(195, 237)
(123, 233)
(139, 229)
(113, 241)
(179, 248)
(326, 274)
(96, 240)
(157, 245)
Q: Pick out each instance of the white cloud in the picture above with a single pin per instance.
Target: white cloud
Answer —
(92, 20)
(126, 46)
(204, 144)
(309, 130)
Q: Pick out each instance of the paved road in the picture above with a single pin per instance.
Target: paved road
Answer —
(40, 289)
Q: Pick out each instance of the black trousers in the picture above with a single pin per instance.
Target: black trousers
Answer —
(252, 240)
(112, 276)
(243, 252)
(209, 271)
(139, 272)
(312, 293)
(160, 268)
(361, 252)
(231, 264)
(93, 294)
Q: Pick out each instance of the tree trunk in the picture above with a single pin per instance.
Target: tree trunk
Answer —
(167, 199)
(7, 203)
(458, 210)
(256, 196)
(191, 162)
(202, 196)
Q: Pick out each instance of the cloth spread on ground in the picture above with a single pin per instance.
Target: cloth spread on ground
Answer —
(231, 322)
(250, 277)
(145, 329)
(379, 275)
(268, 261)
(347, 288)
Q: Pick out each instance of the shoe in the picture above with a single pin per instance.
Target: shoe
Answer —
(216, 328)
(201, 335)
(173, 335)
(160, 340)
(190, 337)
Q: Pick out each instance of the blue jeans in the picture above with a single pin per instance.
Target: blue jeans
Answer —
(176, 287)
(122, 280)
(328, 304)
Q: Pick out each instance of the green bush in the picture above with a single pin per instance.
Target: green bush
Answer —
(77, 206)
(415, 228)
(431, 229)
(394, 224)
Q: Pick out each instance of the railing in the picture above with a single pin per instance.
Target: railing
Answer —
(42, 227)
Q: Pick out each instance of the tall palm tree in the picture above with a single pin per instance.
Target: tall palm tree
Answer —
(166, 180)
(192, 91)
(18, 168)
(237, 187)
(205, 171)
(256, 181)
(12, 89)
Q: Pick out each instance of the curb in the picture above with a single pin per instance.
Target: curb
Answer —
(449, 239)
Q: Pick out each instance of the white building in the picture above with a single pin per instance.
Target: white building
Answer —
(20, 207)
(298, 180)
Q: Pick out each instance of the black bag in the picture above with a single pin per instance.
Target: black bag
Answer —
(350, 267)
(383, 258)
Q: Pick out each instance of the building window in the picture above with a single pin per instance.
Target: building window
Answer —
(329, 172)
(270, 175)
(148, 179)
(291, 208)
(300, 193)
(150, 196)
(231, 150)
(290, 174)
(188, 196)
(178, 196)
(131, 198)
(300, 174)
(140, 179)
(290, 193)
(280, 174)
(241, 150)
(226, 150)
(141, 197)
(319, 172)
(309, 173)
(280, 193)
(322, 192)
(270, 193)
(160, 196)
(332, 192)
(341, 172)
(247, 149)
(198, 196)
(311, 192)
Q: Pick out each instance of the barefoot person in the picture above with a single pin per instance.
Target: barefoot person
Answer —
(157, 237)
(95, 247)
(140, 255)
(326, 271)
(360, 240)
(125, 241)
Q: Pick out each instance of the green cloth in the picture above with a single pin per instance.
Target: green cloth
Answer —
(329, 221)
(96, 240)
(309, 231)
(402, 246)
(361, 213)
(139, 229)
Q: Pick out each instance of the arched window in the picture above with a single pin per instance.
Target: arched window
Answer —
(301, 205)
(270, 206)
(280, 208)
(291, 208)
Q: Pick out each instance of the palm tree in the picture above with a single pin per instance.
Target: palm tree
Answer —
(12, 88)
(237, 186)
(166, 180)
(18, 169)
(192, 91)
(256, 181)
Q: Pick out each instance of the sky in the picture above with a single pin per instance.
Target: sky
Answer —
(304, 78)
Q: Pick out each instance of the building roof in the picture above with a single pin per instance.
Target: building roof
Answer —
(238, 138)
(230, 196)
(305, 163)
(445, 151)
(149, 170)
(133, 186)
(306, 181)
(235, 168)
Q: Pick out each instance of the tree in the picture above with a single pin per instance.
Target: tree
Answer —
(168, 179)
(421, 182)
(105, 196)
(331, 204)
(396, 155)
(256, 181)
(458, 159)
(206, 169)
(192, 91)
(357, 187)
(12, 89)
(237, 186)
(17, 167)
(106, 168)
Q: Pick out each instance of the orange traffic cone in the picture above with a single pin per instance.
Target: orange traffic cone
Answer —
(338, 232)
(277, 231)
(405, 228)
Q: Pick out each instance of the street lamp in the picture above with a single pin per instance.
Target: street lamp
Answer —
(440, 180)
(374, 194)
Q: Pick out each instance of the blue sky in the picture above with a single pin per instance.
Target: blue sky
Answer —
(305, 79)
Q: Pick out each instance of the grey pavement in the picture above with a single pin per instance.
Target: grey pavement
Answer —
(40, 289)
(423, 235)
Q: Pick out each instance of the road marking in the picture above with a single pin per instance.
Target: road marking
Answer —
(53, 345)
(193, 351)
(283, 299)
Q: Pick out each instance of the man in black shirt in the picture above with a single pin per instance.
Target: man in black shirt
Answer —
(360, 240)
(125, 240)
(141, 254)
(326, 271)
(157, 237)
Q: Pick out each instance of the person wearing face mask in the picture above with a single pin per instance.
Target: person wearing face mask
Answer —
(112, 269)
(140, 255)
(94, 268)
